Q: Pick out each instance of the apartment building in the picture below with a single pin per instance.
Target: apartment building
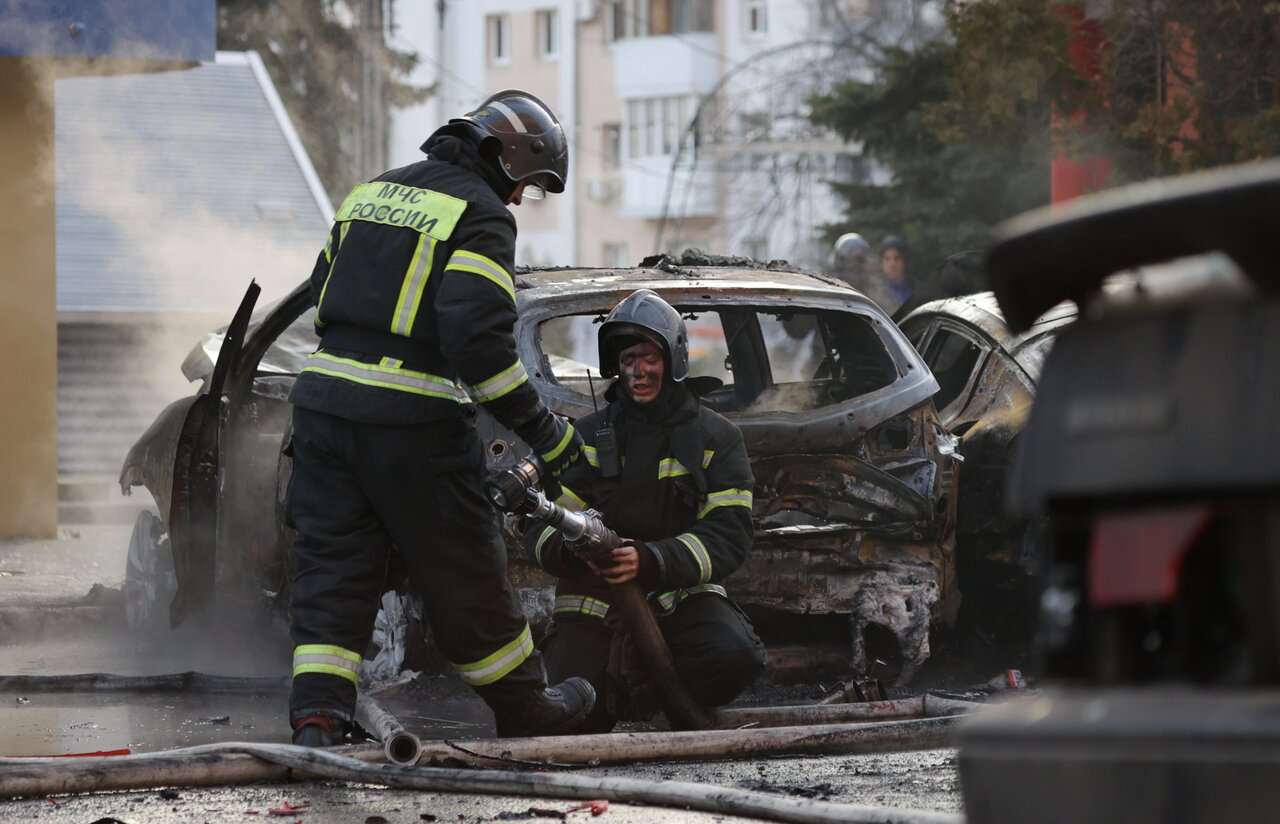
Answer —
(685, 118)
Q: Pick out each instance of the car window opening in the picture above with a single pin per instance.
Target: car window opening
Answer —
(951, 358)
(763, 361)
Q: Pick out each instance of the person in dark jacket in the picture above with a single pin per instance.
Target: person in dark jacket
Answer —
(672, 478)
(415, 305)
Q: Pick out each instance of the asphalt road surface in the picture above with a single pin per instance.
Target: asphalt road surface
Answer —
(54, 621)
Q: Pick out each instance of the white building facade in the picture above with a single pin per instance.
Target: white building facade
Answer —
(685, 118)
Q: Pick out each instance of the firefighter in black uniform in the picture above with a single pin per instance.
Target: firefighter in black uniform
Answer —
(415, 305)
(672, 478)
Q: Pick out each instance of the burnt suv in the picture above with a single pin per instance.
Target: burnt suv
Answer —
(855, 493)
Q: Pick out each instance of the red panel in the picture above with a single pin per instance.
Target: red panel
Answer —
(1135, 558)
(1072, 178)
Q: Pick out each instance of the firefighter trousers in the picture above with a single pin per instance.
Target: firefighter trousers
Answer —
(716, 652)
(357, 492)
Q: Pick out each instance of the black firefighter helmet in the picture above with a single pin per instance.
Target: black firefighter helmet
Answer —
(644, 315)
(533, 142)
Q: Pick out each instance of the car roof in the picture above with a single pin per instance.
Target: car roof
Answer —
(982, 311)
(689, 283)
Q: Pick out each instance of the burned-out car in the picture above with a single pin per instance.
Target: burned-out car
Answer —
(855, 494)
(987, 379)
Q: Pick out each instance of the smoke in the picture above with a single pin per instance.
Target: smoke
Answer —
(175, 190)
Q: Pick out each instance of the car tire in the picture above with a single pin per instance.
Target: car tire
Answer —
(150, 582)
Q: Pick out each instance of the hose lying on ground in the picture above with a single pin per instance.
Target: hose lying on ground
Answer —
(30, 777)
(25, 776)
(189, 681)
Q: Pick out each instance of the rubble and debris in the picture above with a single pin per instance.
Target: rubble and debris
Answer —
(531, 812)
(1008, 680)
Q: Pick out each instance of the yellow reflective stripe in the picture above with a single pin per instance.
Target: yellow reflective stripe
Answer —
(668, 601)
(671, 468)
(592, 456)
(394, 363)
(581, 605)
(465, 261)
(500, 384)
(495, 666)
(726, 497)
(342, 235)
(542, 539)
(405, 207)
(387, 377)
(328, 248)
(327, 660)
(570, 500)
(699, 552)
(560, 447)
(414, 286)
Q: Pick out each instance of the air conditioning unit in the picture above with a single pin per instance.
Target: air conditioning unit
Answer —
(601, 189)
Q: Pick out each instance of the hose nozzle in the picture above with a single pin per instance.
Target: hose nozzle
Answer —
(508, 489)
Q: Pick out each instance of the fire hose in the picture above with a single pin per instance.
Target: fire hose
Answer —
(398, 744)
(514, 491)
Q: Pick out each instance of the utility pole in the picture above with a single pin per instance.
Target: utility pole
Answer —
(371, 138)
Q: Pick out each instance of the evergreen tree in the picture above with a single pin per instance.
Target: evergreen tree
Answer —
(962, 130)
(326, 58)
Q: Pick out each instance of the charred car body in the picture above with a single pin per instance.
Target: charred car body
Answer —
(855, 477)
(987, 377)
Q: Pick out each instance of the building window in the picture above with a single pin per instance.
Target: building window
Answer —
(615, 255)
(548, 33)
(499, 26)
(657, 126)
(648, 18)
(755, 18)
(611, 146)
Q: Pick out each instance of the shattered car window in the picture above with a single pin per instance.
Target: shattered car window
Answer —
(284, 358)
(288, 352)
(745, 359)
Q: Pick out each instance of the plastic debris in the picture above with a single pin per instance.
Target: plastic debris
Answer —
(596, 807)
(1008, 680)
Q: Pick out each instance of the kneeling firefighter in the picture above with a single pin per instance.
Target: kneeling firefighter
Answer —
(414, 298)
(672, 478)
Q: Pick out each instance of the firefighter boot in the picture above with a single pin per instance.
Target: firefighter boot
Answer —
(551, 711)
(319, 731)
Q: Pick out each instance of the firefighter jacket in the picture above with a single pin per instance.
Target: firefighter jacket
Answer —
(683, 492)
(415, 304)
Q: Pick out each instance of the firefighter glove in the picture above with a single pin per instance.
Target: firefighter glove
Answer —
(564, 452)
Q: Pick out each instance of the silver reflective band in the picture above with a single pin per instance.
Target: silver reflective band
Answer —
(668, 601)
(582, 605)
(511, 116)
(700, 555)
(412, 288)
(388, 377)
(500, 384)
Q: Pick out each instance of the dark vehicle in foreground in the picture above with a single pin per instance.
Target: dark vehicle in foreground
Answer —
(987, 377)
(1154, 450)
(855, 476)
